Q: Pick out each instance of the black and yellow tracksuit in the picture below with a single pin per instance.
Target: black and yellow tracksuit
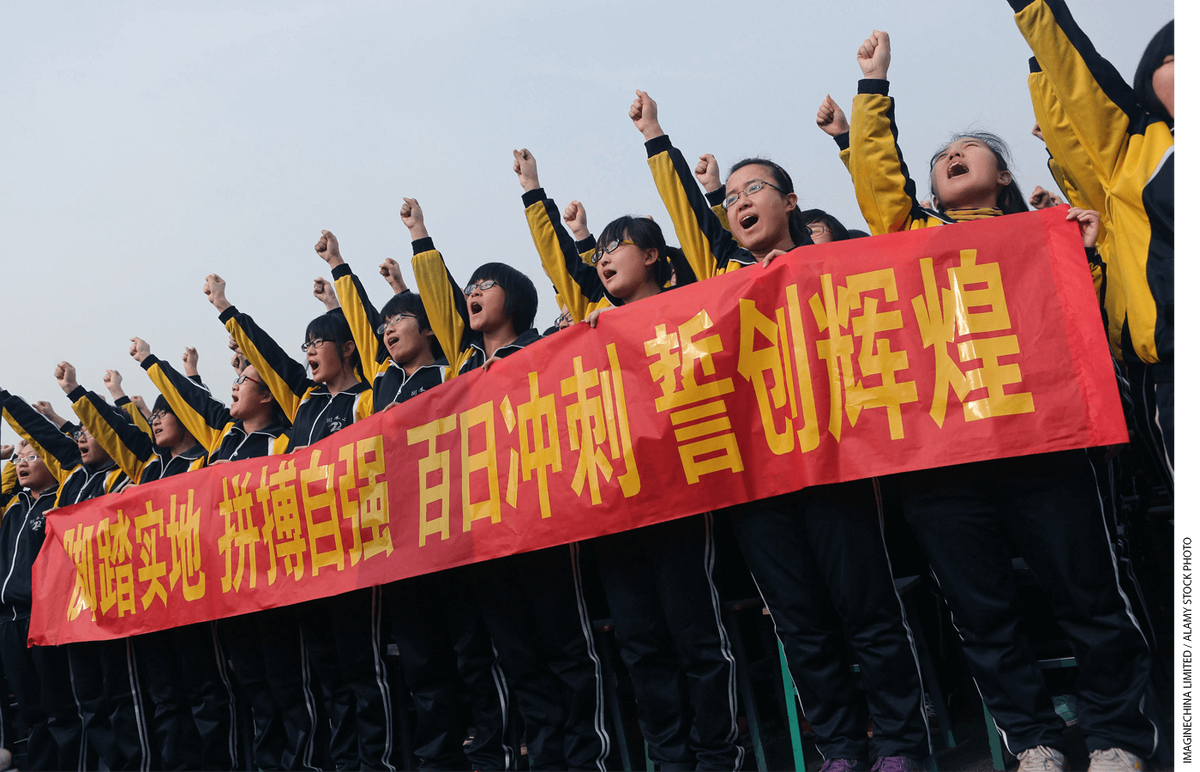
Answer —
(435, 618)
(38, 675)
(575, 280)
(342, 633)
(103, 674)
(389, 382)
(703, 235)
(183, 668)
(263, 647)
(1047, 506)
(532, 602)
(1132, 155)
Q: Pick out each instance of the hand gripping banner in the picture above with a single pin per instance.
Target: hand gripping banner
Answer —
(848, 360)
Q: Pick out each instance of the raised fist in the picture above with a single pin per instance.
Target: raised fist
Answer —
(214, 288)
(644, 114)
(327, 249)
(708, 174)
(875, 56)
(831, 118)
(576, 219)
(525, 165)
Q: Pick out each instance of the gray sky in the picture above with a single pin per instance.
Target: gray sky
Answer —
(147, 145)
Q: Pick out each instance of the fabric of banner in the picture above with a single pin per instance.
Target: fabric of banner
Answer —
(836, 362)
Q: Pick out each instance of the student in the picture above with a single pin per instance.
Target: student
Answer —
(658, 579)
(1046, 504)
(264, 647)
(341, 633)
(532, 602)
(38, 675)
(1129, 137)
(106, 680)
(797, 545)
(436, 621)
(183, 667)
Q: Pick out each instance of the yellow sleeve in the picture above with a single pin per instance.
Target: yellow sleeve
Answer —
(444, 302)
(8, 479)
(285, 378)
(135, 415)
(58, 452)
(363, 318)
(577, 284)
(887, 195)
(127, 445)
(202, 415)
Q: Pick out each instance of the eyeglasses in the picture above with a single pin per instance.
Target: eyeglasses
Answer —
(81, 434)
(479, 285)
(607, 249)
(816, 228)
(558, 320)
(381, 329)
(157, 416)
(304, 347)
(27, 459)
(752, 187)
(243, 378)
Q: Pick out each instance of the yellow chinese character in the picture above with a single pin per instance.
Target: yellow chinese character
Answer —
(282, 529)
(320, 476)
(115, 552)
(435, 462)
(776, 359)
(184, 532)
(368, 510)
(238, 541)
(483, 461)
(77, 542)
(148, 529)
(539, 446)
(940, 311)
(587, 429)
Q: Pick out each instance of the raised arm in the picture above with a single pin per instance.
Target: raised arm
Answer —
(445, 304)
(577, 283)
(202, 415)
(284, 376)
(362, 317)
(886, 193)
(59, 452)
(706, 244)
(112, 382)
(125, 443)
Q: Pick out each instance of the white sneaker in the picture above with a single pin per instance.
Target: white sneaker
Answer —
(1039, 758)
(1115, 760)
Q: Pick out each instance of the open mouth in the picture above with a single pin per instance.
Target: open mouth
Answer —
(313, 366)
(956, 169)
(748, 221)
(391, 340)
(476, 308)
(607, 274)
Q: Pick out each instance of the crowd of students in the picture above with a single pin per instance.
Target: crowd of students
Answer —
(515, 633)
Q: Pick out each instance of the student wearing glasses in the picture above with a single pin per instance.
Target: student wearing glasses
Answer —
(817, 555)
(436, 621)
(264, 647)
(532, 602)
(105, 679)
(341, 633)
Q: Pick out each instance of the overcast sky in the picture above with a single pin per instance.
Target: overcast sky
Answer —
(146, 145)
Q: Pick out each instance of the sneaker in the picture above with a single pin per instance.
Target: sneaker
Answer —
(897, 764)
(844, 765)
(1115, 760)
(1041, 759)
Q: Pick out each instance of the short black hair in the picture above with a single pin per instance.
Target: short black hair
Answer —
(1010, 199)
(162, 404)
(409, 302)
(1160, 47)
(797, 228)
(836, 229)
(520, 296)
(332, 325)
(646, 234)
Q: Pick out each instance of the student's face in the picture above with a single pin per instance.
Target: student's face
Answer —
(819, 230)
(758, 221)
(89, 448)
(967, 174)
(486, 308)
(167, 429)
(325, 361)
(32, 474)
(250, 396)
(624, 270)
(1164, 84)
(404, 339)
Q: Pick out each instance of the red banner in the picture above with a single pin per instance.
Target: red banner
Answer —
(849, 360)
